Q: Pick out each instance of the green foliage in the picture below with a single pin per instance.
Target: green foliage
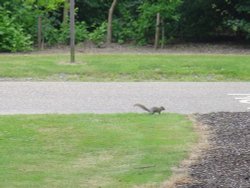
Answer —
(24, 15)
(125, 21)
(45, 4)
(199, 19)
(81, 33)
(124, 31)
(12, 35)
(204, 19)
(98, 35)
(54, 34)
(238, 25)
(133, 21)
(50, 29)
(93, 12)
(147, 18)
(238, 21)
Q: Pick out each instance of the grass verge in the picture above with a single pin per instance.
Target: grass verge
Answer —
(127, 67)
(120, 150)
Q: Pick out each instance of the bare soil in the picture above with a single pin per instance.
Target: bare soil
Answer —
(187, 48)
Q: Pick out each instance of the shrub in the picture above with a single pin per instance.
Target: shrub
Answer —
(124, 31)
(98, 35)
(12, 36)
(81, 33)
(49, 31)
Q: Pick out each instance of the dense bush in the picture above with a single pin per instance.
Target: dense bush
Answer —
(81, 33)
(12, 35)
(209, 19)
(124, 31)
(238, 18)
(98, 35)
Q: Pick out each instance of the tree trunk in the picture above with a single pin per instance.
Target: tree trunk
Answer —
(162, 34)
(72, 31)
(110, 17)
(39, 32)
(65, 11)
(157, 31)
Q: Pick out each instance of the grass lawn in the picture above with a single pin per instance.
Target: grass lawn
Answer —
(127, 67)
(85, 150)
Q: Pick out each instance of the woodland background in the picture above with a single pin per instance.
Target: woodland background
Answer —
(134, 22)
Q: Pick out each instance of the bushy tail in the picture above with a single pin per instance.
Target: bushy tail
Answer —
(142, 107)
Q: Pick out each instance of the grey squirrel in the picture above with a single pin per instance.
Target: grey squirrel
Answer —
(151, 110)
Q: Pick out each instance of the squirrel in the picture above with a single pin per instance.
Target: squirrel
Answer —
(151, 110)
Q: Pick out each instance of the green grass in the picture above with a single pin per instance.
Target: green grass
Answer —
(127, 67)
(119, 150)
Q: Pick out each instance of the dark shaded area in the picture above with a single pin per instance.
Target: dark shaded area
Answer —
(227, 164)
(214, 20)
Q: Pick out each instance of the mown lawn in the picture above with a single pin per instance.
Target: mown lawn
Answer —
(119, 150)
(126, 67)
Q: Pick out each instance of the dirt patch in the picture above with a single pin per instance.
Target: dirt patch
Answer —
(187, 48)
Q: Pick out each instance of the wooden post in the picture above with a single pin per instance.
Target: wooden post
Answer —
(39, 32)
(157, 31)
(72, 31)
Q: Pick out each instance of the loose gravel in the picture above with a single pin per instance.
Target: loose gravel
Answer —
(227, 163)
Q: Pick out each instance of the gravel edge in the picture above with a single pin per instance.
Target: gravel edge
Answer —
(227, 162)
(181, 173)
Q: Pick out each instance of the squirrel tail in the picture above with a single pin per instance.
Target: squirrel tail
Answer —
(142, 107)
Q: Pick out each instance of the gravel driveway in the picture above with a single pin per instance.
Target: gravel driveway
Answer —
(227, 164)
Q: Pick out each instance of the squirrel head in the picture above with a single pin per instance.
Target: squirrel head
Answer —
(162, 108)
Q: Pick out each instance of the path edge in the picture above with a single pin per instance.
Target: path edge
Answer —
(180, 174)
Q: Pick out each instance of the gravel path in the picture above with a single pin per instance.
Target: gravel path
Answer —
(227, 164)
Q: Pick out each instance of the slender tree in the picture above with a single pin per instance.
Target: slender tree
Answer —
(162, 34)
(110, 18)
(72, 31)
(157, 30)
(65, 11)
(39, 32)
